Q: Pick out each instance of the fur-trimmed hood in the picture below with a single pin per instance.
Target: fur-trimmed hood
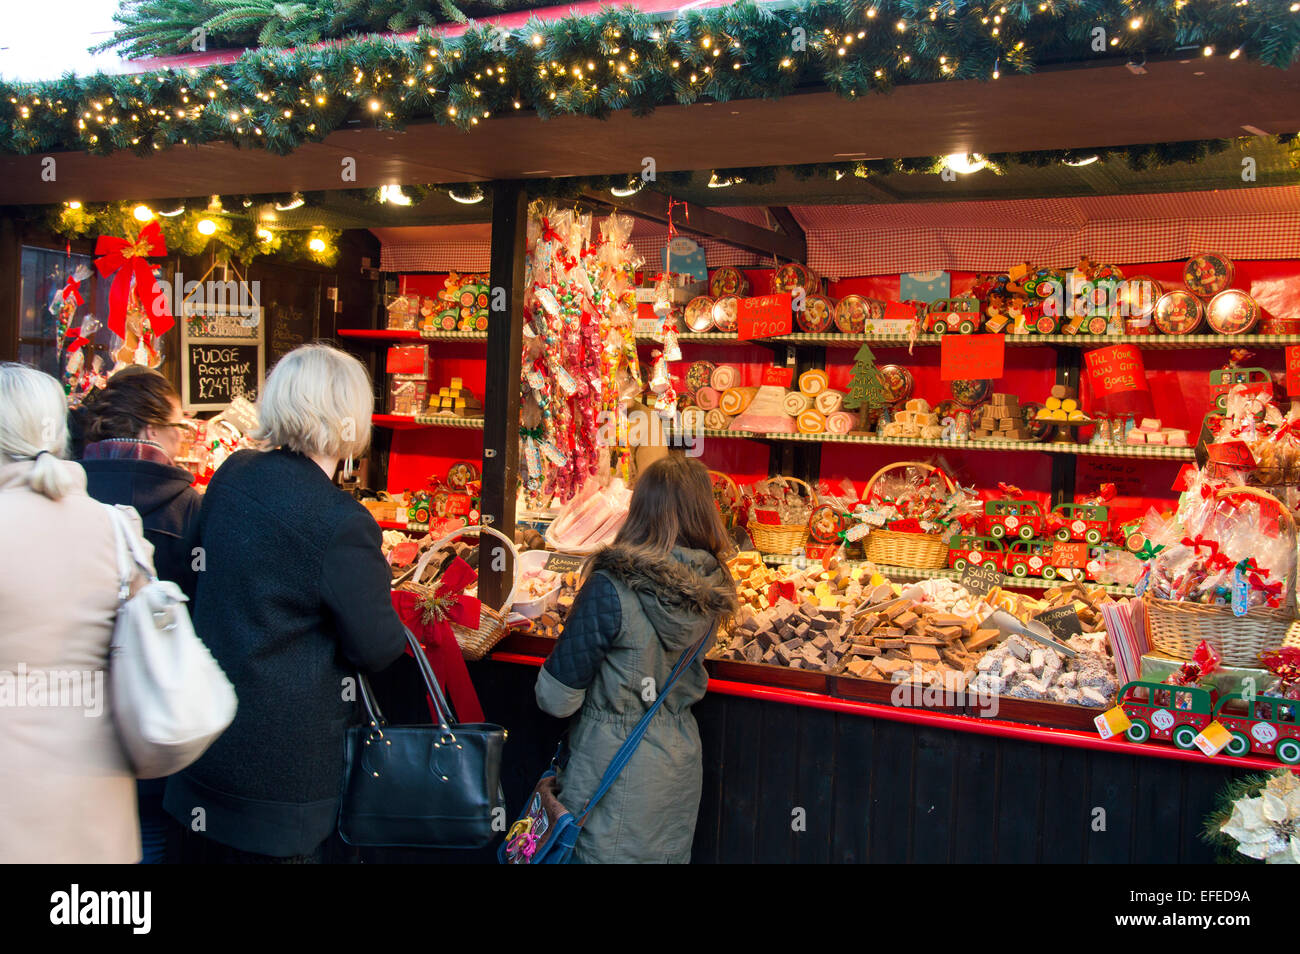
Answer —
(682, 594)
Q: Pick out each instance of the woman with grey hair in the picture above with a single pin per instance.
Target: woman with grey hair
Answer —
(67, 790)
(292, 598)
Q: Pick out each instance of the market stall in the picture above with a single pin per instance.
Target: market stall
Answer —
(964, 411)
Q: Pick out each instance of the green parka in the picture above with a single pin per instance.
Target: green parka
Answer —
(631, 622)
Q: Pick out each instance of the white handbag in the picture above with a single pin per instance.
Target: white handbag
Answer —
(170, 699)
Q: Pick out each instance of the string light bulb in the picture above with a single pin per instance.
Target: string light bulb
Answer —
(317, 245)
(142, 213)
(206, 227)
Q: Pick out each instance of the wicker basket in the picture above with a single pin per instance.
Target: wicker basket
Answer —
(916, 551)
(1177, 627)
(727, 497)
(781, 538)
(474, 643)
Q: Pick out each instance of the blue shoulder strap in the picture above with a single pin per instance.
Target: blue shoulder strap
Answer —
(626, 750)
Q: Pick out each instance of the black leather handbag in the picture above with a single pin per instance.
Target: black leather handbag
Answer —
(421, 786)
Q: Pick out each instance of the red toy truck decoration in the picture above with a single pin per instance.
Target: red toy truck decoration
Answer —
(967, 550)
(1265, 725)
(961, 315)
(1030, 557)
(1089, 523)
(1016, 518)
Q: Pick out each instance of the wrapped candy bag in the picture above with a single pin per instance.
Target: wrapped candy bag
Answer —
(1283, 663)
(1232, 552)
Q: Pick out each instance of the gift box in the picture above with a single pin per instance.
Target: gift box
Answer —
(406, 395)
(1157, 667)
(408, 361)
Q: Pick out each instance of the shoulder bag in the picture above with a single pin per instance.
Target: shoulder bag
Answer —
(546, 832)
(421, 786)
(170, 699)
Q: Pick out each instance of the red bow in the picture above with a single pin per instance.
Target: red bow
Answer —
(430, 620)
(74, 336)
(126, 258)
(909, 525)
(1011, 490)
(549, 234)
(72, 292)
(1215, 560)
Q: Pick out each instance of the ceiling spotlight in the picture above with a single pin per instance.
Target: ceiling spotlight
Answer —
(1082, 162)
(74, 204)
(964, 163)
(716, 183)
(296, 202)
(469, 198)
(393, 194)
(179, 210)
(634, 185)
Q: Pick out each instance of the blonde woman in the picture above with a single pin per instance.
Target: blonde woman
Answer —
(67, 791)
(292, 597)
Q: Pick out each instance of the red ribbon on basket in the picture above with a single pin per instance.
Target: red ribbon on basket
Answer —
(430, 619)
(124, 259)
(1215, 560)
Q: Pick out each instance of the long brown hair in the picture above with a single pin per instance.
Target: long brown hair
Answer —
(672, 506)
(133, 399)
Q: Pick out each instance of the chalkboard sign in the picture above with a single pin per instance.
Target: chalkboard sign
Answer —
(222, 355)
(1062, 621)
(287, 327)
(564, 562)
(215, 373)
(981, 579)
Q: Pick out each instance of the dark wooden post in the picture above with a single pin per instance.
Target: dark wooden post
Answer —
(501, 393)
(11, 256)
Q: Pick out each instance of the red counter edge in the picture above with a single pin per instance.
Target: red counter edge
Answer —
(957, 723)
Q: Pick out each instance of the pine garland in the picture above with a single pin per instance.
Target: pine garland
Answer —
(616, 59)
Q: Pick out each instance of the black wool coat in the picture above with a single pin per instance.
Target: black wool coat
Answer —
(292, 599)
(167, 504)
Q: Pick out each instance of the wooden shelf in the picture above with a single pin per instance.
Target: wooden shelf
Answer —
(1153, 342)
(384, 334)
(401, 422)
(1146, 451)
(908, 574)
(378, 334)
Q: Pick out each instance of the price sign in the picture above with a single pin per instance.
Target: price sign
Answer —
(967, 357)
(1062, 622)
(564, 562)
(1073, 555)
(1231, 454)
(1116, 369)
(981, 579)
(778, 376)
(1293, 371)
(764, 317)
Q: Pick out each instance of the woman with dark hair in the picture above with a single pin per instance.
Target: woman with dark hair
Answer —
(133, 430)
(648, 598)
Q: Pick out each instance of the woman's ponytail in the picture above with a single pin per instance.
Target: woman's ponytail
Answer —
(33, 426)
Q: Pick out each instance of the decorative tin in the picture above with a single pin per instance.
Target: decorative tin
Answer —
(968, 393)
(817, 314)
(728, 281)
(898, 380)
(1178, 312)
(724, 313)
(1232, 312)
(1137, 303)
(1207, 275)
(854, 311)
(699, 313)
(793, 275)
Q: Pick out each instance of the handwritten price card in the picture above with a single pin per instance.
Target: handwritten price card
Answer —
(764, 317)
(776, 376)
(1293, 371)
(1116, 369)
(966, 357)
